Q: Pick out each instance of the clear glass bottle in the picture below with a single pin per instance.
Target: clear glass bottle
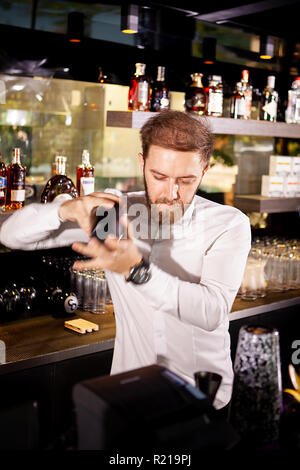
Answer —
(85, 182)
(237, 109)
(139, 90)
(215, 96)
(195, 96)
(269, 101)
(247, 92)
(160, 96)
(59, 185)
(15, 197)
(256, 99)
(292, 114)
(3, 183)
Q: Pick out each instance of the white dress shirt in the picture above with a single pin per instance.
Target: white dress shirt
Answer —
(179, 318)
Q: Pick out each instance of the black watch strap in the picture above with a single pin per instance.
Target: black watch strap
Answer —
(140, 273)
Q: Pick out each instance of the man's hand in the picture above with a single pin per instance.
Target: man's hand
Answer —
(114, 255)
(83, 209)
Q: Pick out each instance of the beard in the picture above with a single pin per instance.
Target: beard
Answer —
(167, 212)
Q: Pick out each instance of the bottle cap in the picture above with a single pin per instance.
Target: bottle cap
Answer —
(245, 75)
(85, 156)
(271, 81)
(140, 68)
(16, 154)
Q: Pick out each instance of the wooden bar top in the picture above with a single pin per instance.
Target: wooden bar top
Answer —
(39, 340)
(42, 340)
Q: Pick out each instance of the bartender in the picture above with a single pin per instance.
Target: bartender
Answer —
(174, 276)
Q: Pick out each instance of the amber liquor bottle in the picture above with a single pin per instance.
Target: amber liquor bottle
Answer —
(3, 183)
(139, 90)
(195, 96)
(59, 186)
(15, 196)
(85, 183)
(160, 96)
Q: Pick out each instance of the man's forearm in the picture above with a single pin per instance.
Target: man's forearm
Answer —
(37, 226)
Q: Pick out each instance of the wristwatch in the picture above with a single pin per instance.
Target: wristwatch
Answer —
(140, 273)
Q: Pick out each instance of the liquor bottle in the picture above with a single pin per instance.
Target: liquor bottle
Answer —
(63, 303)
(59, 185)
(85, 183)
(256, 99)
(160, 96)
(139, 90)
(195, 96)
(237, 110)
(15, 196)
(215, 96)
(3, 183)
(247, 91)
(293, 107)
(269, 100)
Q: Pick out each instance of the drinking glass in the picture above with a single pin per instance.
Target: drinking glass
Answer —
(79, 287)
(87, 290)
(99, 289)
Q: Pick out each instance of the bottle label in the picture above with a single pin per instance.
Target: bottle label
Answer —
(297, 109)
(240, 107)
(3, 182)
(164, 103)
(271, 109)
(143, 91)
(87, 185)
(71, 303)
(215, 103)
(17, 195)
(248, 103)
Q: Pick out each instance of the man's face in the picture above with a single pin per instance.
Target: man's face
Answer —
(172, 178)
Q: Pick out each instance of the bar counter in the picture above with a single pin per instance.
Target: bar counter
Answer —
(44, 340)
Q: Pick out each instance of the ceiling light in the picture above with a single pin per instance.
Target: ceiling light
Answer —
(209, 50)
(129, 18)
(266, 50)
(75, 26)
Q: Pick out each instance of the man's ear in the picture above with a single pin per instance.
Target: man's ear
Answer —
(142, 161)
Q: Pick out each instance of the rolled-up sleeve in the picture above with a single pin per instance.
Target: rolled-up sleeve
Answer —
(38, 226)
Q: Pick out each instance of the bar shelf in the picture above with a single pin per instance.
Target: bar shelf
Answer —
(257, 203)
(136, 119)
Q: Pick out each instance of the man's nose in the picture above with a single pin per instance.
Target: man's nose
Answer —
(172, 190)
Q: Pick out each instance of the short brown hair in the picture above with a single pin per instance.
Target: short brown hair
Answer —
(179, 131)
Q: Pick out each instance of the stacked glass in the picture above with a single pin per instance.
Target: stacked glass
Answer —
(90, 287)
(273, 265)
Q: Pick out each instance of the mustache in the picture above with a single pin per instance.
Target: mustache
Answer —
(171, 202)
